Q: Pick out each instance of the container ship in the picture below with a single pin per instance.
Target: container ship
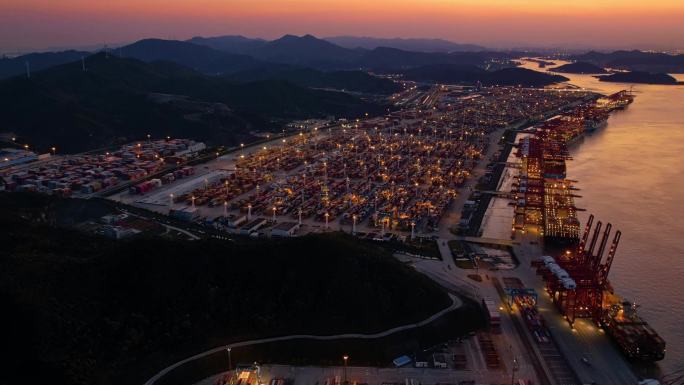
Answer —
(617, 101)
(544, 198)
(635, 337)
(577, 282)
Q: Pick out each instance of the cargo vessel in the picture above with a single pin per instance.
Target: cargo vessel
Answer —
(635, 337)
(577, 282)
(617, 101)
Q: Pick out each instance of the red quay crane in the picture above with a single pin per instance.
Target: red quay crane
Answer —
(577, 280)
(578, 284)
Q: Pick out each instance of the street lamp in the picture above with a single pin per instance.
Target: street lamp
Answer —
(513, 370)
(230, 364)
(345, 358)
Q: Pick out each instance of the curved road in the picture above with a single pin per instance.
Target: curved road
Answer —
(455, 304)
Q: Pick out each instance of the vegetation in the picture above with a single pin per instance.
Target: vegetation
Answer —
(420, 246)
(83, 309)
(355, 81)
(37, 61)
(639, 77)
(118, 100)
(459, 74)
(635, 60)
(579, 68)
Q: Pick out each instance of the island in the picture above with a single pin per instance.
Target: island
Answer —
(579, 68)
(639, 77)
(470, 75)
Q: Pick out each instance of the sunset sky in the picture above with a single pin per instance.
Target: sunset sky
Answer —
(37, 24)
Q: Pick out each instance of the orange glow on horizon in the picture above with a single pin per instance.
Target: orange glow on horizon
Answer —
(607, 22)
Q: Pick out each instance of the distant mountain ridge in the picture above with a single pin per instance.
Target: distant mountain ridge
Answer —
(197, 57)
(37, 61)
(635, 60)
(230, 54)
(407, 44)
(310, 51)
(229, 43)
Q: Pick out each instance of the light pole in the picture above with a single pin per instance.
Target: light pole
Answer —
(515, 367)
(345, 358)
(230, 364)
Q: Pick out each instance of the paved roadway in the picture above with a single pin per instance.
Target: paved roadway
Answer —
(455, 304)
(313, 375)
(608, 366)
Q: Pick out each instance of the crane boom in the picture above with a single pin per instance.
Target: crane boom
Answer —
(585, 236)
(590, 252)
(605, 268)
(602, 247)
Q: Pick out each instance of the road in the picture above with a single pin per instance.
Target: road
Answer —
(608, 365)
(455, 304)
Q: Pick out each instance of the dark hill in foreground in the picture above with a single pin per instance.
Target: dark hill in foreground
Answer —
(79, 309)
(113, 101)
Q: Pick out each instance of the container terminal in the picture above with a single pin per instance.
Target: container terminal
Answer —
(397, 173)
(576, 280)
(544, 197)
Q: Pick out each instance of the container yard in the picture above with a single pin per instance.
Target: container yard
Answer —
(86, 174)
(393, 174)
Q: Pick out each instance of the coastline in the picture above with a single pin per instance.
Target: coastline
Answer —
(528, 246)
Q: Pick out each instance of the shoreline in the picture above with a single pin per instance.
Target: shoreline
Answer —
(530, 245)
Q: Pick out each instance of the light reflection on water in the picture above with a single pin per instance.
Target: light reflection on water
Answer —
(631, 173)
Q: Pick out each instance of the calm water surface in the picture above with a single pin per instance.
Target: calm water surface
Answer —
(631, 173)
